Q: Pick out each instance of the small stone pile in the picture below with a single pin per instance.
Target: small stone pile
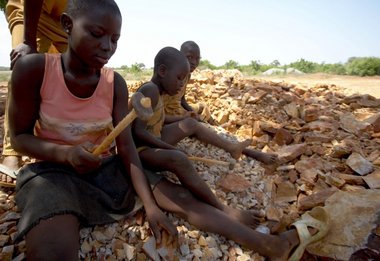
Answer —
(328, 145)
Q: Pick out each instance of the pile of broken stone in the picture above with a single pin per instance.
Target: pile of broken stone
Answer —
(328, 145)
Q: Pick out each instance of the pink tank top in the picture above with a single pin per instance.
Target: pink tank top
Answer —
(67, 119)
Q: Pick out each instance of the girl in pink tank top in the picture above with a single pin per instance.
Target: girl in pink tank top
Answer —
(61, 107)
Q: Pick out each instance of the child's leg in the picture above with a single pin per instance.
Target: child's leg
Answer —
(178, 163)
(55, 238)
(175, 161)
(175, 132)
(177, 199)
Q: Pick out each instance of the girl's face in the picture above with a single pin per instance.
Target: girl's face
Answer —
(93, 37)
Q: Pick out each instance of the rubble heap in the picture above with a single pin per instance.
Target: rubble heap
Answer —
(328, 148)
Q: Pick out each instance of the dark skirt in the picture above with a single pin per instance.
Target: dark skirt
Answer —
(45, 189)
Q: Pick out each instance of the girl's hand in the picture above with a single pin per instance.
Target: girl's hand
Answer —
(81, 158)
(158, 221)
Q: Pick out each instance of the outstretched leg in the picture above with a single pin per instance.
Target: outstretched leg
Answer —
(55, 238)
(177, 199)
(177, 131)
(178, 163)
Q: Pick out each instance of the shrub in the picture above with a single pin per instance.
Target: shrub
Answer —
(363, 66)
(231, 64)
(304, 66)
(334, 68)
(205, 64)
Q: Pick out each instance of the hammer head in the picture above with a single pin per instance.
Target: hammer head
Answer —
(142, 106)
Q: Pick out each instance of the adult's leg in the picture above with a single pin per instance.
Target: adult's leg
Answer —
(178, 163)
(11, 158)
(177, 131)
(55, 238)
(175, 198)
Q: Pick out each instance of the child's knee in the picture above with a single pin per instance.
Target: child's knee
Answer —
(190, 123)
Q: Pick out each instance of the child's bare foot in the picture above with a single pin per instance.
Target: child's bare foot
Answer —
(237, 149)
(266, 158)
(288, 241)
(250, 218)
(312, 226)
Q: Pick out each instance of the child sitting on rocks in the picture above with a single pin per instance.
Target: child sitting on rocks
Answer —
(67, 108)
(176, 105)
(192, 199)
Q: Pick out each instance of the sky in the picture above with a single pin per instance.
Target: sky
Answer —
(329, 31)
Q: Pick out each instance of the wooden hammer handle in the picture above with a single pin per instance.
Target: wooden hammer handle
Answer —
(115, 132)
(145, 102)
(209, 161)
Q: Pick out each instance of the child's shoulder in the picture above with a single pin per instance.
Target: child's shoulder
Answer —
(150, 87)
(34, 58)
(151, 90)
(31, 64)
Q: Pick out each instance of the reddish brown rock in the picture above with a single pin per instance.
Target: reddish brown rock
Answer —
(316, 199)
(283, 137)
(349, 123)
(292, 110)
(350, 179)
(359, 164)
(291, 152)
(286, 192)
(373, 180)
(310, 113)
(233, 183)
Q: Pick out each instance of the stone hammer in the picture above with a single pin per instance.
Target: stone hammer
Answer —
(141, 107)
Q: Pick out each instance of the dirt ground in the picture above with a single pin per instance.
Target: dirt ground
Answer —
(352, 84)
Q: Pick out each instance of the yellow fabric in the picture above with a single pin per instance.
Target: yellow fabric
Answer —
(173, 104)
(7, 148)
(50, 39)
(155, 123)
(49, 32)
(174, 107)
(139, 149)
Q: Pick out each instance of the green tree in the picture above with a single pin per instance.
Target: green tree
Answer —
(231, 64)
(304, 66)
(275, 63)
(137, 67)
(206, 64)
(255, 65)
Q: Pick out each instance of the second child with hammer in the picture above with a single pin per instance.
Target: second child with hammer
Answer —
(156, 141)
(193, 200)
